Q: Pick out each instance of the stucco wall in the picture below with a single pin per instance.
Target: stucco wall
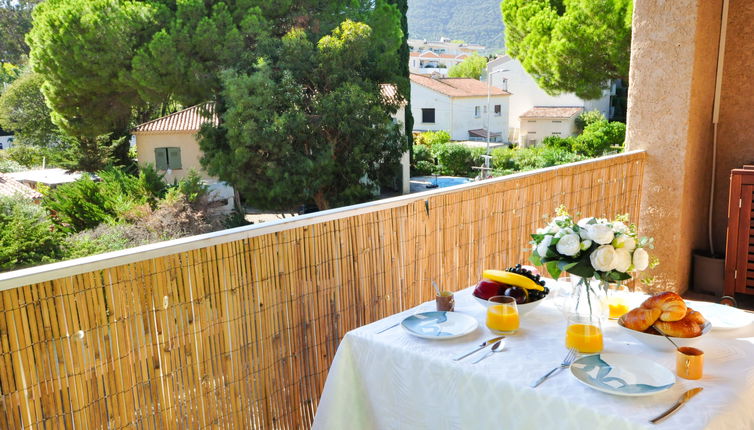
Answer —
(190, 152)
(456, 115)
(525, 93)
(539, 128)
(674, 47)
(736, 124)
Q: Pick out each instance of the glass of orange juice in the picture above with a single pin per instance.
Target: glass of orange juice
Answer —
(616, 300)
(502, 315)
(584, 333)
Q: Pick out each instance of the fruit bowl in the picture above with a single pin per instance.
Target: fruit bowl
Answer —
(522, 309)
(658, 341)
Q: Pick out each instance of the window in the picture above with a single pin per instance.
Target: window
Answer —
(428, 115)
(498, 110)
(531, 121)
(556, 133)
(167, 158)
(477, 110)
(557, 122)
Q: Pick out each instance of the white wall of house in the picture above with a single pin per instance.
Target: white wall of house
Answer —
(457, 115)
(525, 93)
(6, 142)
(533, 130)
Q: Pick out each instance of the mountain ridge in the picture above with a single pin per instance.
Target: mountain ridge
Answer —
(473, 21)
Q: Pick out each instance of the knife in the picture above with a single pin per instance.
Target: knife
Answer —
(684, 398)
(480, 347)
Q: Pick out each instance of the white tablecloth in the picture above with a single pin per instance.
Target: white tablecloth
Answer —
(394, 380)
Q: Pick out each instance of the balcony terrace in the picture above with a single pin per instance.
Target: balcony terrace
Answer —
(237, 329)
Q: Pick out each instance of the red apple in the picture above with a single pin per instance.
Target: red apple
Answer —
(486, 289)
(534, 271)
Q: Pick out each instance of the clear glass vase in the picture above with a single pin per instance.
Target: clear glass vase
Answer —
(589, 297)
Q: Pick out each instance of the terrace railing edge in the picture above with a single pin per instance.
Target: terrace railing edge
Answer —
(48, 272)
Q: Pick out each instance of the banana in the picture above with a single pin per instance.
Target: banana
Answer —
(512, 279)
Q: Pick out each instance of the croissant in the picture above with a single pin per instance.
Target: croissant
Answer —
(640, 319)
(695, 316)
(672, 305)
(682, 328)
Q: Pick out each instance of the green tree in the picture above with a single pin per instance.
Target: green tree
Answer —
(570, 45)
(83, 51)
(15, 22)
(27, 237)
(472, 67)
(306, 122)
(586, 118)
(24, 112)
(8, 73)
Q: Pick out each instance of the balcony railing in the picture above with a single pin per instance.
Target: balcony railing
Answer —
(237, 329)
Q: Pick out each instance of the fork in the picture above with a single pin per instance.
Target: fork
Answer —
(566, 363)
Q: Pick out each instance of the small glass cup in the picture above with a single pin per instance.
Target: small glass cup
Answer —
(584, 333)
(563, 295)
(689, 362)
(616, 300)
(445, 301)
(502, 315)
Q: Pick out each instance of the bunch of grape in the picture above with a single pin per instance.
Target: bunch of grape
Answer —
(534, 295)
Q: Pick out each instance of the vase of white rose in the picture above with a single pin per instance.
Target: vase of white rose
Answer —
(594, 251)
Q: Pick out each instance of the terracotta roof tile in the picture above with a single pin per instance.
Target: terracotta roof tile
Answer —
(187, 120)
(10, 187)
(552, 112)
(457, 87)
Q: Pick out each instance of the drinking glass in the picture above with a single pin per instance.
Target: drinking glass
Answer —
(502, 315)
(584, 333)
(562, 295)
(616, 300)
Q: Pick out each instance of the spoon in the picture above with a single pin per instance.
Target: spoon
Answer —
(666, 336)
(496, 347)
(437, 288)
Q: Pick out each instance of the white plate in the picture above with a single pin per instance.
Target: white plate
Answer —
(622, 375)
(658, 342)
(439, 325)
(722, 317)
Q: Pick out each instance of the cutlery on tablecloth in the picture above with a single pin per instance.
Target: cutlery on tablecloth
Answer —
(497, 347)
(480, 347)
(684, 398)
(388, 328)
(566, 363)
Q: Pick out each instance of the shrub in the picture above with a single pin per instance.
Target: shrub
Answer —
(192, 187)
(586, 118)
(600, 137)
(502, 158)
(104, 238)
(431, 138)
(423, 161)
(8, 166)
(453, 159)
(27, 237)
(557, 142)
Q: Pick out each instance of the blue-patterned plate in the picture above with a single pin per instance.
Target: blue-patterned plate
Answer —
(439, 325)
(622, 375)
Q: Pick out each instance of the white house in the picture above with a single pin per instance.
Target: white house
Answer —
(543, 121)
(459, 106)
(508, 74)
(438, 56)
(169, 143)
(6, 141)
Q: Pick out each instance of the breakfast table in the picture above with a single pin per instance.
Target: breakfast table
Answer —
(393, 380)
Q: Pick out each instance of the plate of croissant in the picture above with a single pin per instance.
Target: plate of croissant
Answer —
(668, 313)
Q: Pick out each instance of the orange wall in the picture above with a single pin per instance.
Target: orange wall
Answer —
(736, 127)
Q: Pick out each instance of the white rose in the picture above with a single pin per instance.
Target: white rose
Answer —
(626, 242)
(569, 244)
(600, 233)
(553, 228)
(641, 259)
(619, 227)
(542, 247)
(583, 222)
(603, 258)
(622, 260)
(586, 244)
(541, 231)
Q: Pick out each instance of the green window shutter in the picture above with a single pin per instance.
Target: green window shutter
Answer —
(174, 158)
(161, 158)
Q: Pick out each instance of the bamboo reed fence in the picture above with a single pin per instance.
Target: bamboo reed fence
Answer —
(237, 330)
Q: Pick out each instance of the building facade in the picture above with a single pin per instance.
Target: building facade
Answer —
(438, 56)
(459, 106)
(508, 74)
(543, 121)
